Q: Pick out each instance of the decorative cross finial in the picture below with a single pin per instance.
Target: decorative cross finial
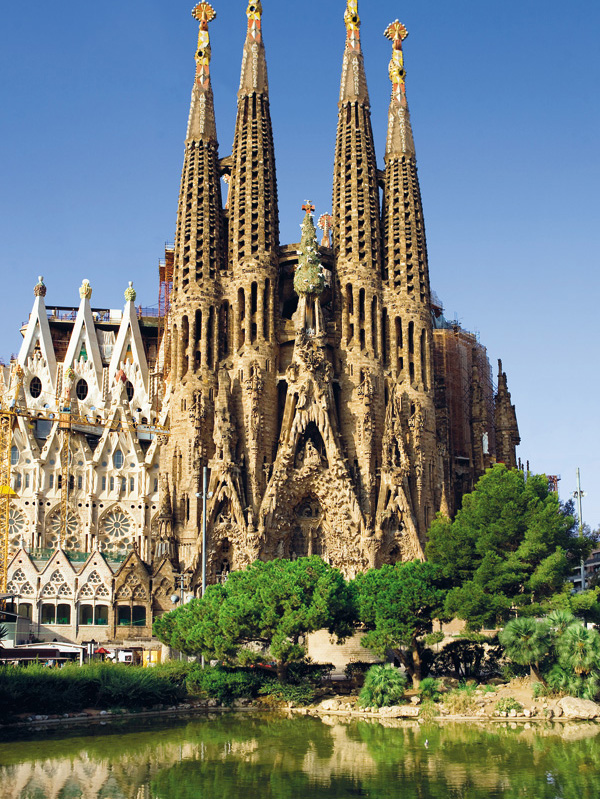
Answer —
(204, 13)
(308, 207)
(397, 33)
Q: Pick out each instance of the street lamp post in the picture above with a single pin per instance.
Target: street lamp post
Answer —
(205, 495)
(579, 494)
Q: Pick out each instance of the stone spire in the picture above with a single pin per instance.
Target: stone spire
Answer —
(254, 78)
(253, 212)
(404, 246)
(355, 188)
(198, 245)
(507, 428)
(201, 124)
(400, 138)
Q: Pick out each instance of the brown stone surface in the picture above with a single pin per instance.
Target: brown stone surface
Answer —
(331, 424)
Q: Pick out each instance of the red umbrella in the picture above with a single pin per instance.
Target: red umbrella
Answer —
(102, 651)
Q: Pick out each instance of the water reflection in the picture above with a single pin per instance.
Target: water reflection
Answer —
(281, 758)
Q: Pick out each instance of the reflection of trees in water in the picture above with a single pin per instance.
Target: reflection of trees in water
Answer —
(276, 757)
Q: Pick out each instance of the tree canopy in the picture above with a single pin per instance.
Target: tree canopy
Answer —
(397, 604)
(270, 604)
(511, 546)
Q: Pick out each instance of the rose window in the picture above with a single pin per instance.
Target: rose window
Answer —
(16, 527)
(117, 533)
(53, 529)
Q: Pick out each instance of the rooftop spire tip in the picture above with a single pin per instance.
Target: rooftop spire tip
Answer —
(254, 10)
(396, 32)
(204, 13)
(351, 17)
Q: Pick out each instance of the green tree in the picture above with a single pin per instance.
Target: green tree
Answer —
(527, 642)
(397, 604)
(511, 546)
(271, 604)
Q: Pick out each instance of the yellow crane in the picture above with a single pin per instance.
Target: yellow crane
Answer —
(8, 416)
(9, 412)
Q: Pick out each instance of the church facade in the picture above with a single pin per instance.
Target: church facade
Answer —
(317, 384)
(314, 381)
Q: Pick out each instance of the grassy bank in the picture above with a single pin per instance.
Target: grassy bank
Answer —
(42, 691)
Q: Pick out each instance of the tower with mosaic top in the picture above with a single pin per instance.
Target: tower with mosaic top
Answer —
(315, 382)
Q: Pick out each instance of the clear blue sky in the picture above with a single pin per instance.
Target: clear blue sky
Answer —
(504, 102)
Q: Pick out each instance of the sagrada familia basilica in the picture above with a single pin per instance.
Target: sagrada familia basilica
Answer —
(318, 384)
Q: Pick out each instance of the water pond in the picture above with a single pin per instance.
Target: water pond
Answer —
(274, 757)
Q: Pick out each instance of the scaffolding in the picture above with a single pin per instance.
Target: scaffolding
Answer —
(165, 287)
(456, 352)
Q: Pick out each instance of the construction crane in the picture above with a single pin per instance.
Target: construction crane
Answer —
(8, 416)
(67, 421)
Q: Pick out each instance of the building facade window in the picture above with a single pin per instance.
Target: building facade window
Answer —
(63, 614)
(124, 616)
(81, 390)
(35, 387)
(48, 614)
(101, 615)
(86, 615)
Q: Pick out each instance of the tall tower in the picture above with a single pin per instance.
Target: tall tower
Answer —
(199, 258)
(507, 429)
(410, 467)
(254, 266)
(357, 252)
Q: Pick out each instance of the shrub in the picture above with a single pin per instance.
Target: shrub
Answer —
(428, 711)
(461, 658)
(511, 670)
(305, 671)
(460, 701)
(284, 692)
(225, 685)
(562, 680)
(507, 704)
(384, 685)
(538, 689)
(249, 657)
(103, 685)
(429, 688)
(358, 668)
